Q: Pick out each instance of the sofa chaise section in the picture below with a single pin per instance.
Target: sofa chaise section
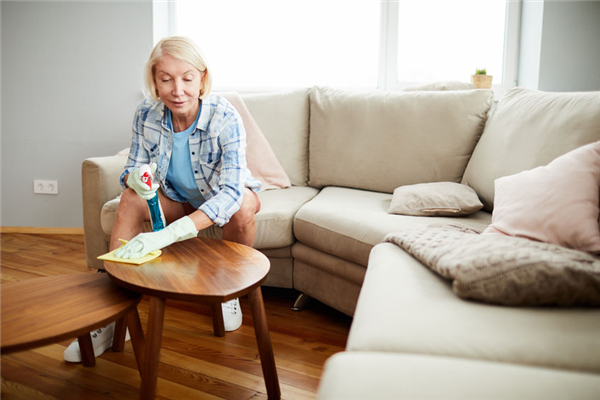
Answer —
(412, 336)
(405, 307)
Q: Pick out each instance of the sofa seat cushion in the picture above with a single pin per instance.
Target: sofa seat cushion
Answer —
(329, 279)
(367, 375)
(108, 215)
(273, 222)
(348, 222)
(406, 307)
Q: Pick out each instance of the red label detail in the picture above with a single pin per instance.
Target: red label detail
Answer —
(147, 179)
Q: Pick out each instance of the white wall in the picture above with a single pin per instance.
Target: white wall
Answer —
(560, 48)
(71, 79)
(570, 59)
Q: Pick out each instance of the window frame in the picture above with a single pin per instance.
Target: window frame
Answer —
(165, 24)
(388, 78)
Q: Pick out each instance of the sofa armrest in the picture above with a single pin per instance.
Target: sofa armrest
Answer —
(100, 183)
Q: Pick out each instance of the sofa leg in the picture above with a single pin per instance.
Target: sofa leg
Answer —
(300, 302)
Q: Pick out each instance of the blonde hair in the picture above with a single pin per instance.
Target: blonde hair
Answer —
(183, 49)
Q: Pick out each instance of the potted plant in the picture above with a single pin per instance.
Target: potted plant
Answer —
(481, 79)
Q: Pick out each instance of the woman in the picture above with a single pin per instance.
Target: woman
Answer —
(195, 143)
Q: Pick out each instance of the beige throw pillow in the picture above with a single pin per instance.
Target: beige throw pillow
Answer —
(435, 199)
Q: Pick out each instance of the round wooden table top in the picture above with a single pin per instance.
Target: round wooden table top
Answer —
(42, 311)
(207, 269)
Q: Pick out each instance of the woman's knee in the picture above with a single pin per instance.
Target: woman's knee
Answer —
(131, 201)
(132, 207)
(245, 215)
(242, 218)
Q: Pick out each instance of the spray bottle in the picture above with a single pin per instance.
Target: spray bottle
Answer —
(156, 213)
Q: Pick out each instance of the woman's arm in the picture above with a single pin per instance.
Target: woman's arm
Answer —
(138, 154)
(232, 174)
(200, 219)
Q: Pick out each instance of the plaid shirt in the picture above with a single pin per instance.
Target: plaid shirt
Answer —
(217, 151)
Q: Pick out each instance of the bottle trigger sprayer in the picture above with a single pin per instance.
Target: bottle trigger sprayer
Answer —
(156, 214)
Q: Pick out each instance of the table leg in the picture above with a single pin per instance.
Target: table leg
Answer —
(217, 317)
(86, 348)
(151, 357)
(263, 339)
(119, 335)
(137, 337)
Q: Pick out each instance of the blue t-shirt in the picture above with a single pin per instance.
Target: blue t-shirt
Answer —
(180, 173)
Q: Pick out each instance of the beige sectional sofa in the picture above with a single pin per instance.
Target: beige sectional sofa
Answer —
(345, 154)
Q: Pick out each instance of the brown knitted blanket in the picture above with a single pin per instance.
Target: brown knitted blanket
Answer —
(503, 269)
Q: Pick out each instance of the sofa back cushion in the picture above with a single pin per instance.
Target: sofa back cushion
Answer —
(379, 141)
(283, 119)
(529, 129)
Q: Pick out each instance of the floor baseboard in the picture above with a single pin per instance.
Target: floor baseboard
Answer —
(41, 230)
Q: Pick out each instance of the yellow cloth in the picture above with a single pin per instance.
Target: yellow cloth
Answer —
(136, 261)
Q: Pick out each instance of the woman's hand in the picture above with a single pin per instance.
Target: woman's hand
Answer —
(135, 182)
(144, 243)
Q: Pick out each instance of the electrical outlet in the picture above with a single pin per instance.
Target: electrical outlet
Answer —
(45, 187)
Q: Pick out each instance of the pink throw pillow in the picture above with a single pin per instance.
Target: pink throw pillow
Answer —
(557, 203)
(262, 162)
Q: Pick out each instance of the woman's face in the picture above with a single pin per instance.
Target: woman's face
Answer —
(178, 84)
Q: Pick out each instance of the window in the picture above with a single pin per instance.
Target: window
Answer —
(435, 40)
(450, 43)
(272, 45)
(257, 44)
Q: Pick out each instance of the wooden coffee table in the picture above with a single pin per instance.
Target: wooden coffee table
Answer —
(42, 311)
(196, 270)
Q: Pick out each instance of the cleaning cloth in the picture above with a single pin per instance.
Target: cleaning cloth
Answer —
(136, 261)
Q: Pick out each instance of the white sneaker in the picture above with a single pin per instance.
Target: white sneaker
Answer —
(232, 315)
(102, 339)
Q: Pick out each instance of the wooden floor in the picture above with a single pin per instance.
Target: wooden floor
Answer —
(194, 363)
